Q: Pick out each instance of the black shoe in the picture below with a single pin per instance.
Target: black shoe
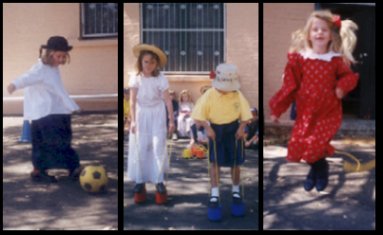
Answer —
(237, 198)
(322, 168)
(139, 188)
(161, 188)
(74, 174)
(213, 202)
(42, 176)
(310, 180)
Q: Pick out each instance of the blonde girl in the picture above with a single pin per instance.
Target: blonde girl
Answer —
(317, 76)
(48, 106)
(147, 156)
(184, 120)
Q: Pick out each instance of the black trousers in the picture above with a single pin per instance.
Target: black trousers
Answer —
(51, 143)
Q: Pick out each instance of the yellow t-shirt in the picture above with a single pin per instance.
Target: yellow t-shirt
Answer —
(126, 108)
(219, 108)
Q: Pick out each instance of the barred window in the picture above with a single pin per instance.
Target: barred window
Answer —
(191, 34)
(99, 20)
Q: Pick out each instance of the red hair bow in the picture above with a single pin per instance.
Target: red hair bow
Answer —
(337, 21)
(212, 74)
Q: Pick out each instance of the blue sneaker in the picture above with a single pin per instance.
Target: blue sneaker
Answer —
(214, 212)
(237, 207)
(213, 202)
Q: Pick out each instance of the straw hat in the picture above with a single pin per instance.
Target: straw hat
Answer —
(226, 78)
(146, 47)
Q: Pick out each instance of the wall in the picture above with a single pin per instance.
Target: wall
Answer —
(279, 21)
(242, 46)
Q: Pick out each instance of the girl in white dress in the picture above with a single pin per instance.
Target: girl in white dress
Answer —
(184, 120)
(147, 156)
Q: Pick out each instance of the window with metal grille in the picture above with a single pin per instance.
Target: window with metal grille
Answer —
(99, 20)
(191, 34)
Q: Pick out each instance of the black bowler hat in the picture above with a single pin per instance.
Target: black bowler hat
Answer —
(57, 43)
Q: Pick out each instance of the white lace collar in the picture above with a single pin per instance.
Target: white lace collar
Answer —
(310, 54)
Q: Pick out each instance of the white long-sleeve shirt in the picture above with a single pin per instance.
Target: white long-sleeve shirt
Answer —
(44, 93)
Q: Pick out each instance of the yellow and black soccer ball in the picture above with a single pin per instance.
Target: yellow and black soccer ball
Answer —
(93, 179)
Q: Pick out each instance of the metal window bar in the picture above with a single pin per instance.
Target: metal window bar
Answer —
(99, 19)
(191, 34)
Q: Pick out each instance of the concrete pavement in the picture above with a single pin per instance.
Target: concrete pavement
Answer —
(63, 205)
(188, 188)
(348, 203)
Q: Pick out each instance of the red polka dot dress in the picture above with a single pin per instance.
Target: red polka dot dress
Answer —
(311, 79)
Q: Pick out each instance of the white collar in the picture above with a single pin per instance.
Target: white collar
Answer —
(310, 54)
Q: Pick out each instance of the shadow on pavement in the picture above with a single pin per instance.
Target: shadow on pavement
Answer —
(188, 188)
(348, 203)
(64, 205)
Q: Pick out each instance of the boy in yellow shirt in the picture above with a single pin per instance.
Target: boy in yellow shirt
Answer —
(223, 111)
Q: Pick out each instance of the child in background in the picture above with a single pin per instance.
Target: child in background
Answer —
(317, 77)
(184, 121)
(173, 97)
(198, 134)
(251, 137)
(223, 111)
(49, 107)
(148, 157)
(126, 109)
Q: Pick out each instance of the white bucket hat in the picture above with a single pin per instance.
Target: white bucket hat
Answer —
(226, 78)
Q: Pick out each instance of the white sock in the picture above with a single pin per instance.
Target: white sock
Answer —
(214, 193)
(235, 188)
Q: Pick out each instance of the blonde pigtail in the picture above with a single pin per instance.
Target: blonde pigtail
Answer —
(297, 41)
(347, 34)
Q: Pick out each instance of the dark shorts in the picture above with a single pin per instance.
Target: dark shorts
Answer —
(51, 143)
(229, 151)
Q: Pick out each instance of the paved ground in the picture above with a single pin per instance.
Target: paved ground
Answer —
(348, 203)
(64, 205)
(187, 184)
